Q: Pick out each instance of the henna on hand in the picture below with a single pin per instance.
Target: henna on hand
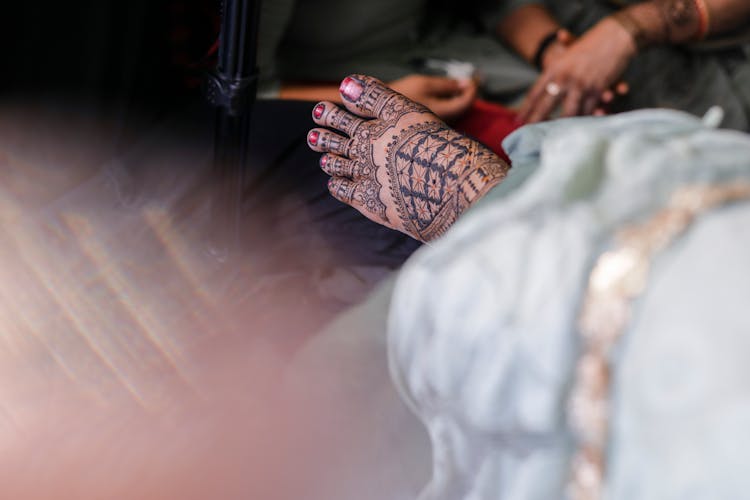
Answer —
(662, 22)
(402, 166)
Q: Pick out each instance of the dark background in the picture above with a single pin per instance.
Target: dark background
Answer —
(142, 53)
(136, 67)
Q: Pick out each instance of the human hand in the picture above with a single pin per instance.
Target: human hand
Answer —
(398, 163)
(563, 40)
(448, 98)
(583, 76)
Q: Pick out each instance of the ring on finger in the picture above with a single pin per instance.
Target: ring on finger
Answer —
(554, 89)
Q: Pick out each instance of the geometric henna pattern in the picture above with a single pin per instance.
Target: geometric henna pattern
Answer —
(436, 174)
(433, 172)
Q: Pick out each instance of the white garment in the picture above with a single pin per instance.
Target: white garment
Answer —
(482, 335)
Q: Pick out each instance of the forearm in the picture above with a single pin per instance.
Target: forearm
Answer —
(525, 28)
(676, 22)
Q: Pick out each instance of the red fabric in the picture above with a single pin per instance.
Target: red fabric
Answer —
(489, 124)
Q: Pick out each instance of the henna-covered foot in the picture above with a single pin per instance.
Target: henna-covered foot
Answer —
(397, 163)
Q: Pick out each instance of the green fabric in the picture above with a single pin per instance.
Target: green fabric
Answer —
(323, 40)
(326, 37)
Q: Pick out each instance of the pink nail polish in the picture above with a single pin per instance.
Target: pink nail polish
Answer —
(351, 89)
(323, 161)
(318, 111)
(313, 137)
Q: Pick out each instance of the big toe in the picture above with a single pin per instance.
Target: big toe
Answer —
(371, 98)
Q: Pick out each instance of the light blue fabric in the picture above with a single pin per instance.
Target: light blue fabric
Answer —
(482, 333)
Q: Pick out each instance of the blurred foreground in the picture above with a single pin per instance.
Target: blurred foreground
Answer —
(133, 363)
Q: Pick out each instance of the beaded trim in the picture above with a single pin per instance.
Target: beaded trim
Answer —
(618, 278)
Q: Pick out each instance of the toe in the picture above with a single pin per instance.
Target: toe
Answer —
(325, 141)
(369, 97)
(329, 115)
(342, 189)
(337, 166)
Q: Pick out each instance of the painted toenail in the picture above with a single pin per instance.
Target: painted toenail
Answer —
(351, 89)
(313, 137)
(318, 112)
(323, 161)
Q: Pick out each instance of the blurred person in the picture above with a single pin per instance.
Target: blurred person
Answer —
(680, 54)
(442, 55)
(308, 46)
(583, 50)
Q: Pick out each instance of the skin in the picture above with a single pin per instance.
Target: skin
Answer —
(597, 60)
(523, 30)
(398, 163)
(592, 64)
(448, 98)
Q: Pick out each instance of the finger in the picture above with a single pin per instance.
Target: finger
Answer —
(545, 106)
(329, 115)
(324, 141)
(534, 95)
(572, 102)
(565, 37)
(456, 106)
(590, 103)
(337, 166)
(442, 86)
(342, 189)
(468, 86)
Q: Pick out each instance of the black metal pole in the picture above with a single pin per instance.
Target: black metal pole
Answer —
(232, 89)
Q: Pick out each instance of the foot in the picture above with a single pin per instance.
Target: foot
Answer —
(397, 163)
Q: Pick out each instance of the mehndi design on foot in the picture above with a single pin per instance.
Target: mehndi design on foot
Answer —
(400, 165)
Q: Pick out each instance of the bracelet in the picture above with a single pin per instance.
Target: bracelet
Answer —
(542, 48)
(705, 19)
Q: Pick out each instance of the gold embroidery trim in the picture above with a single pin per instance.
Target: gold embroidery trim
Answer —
(619, 276)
